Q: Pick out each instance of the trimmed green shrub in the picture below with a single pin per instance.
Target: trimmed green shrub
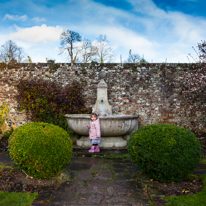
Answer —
(40, 149)
(165, 152)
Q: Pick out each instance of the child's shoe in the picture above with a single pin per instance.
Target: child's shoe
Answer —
(92, 149)
(96, 149)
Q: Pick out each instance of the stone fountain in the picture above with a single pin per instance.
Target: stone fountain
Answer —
(115, 129)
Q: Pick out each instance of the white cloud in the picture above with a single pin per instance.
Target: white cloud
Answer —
(122, 40)
(37, 34)
(147, 7)
(147, 30)
(3, 39)
(15, 17)
(37, 19)
(186, 27)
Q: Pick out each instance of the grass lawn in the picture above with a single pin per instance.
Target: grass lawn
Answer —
(198, 199)
(16, 198)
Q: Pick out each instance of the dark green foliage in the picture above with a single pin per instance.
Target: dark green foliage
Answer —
(48, 102)
(53, 67)
(48, 116)
(51, 61)
(40, 149)
(2, 65)
(84, 70)
(134, 69)
(8, 133)
(94, 62)
(165, 152)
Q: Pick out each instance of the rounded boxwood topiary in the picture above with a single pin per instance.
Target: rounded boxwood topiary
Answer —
(40, 149)
(165, 152)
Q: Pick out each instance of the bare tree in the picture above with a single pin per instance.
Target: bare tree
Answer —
(20, 55)
(88, 51)
(133, 58)
(201, 53)
(105, 52)
(11, 52)
(69, 42)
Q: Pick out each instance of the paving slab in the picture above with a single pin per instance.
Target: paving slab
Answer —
(123, 184)
(65, 195)
(104, 165)
(95, 168)
(132, 169)
(82, 196)
(104, 174)
(82, 189)
(125, 204)
(42, 197)
(110, 190)
(84, 176)
(122, 161)
(79, 151)
(119, 199)
(119, 170)
(124, 191)
(95, 198)
(79, 166)
(97, 190)
(6, 159)
(118, 165)
(73, 159)
(124, 177)
(72, 174)
(98, 183)
(89, 160)
(108, 161)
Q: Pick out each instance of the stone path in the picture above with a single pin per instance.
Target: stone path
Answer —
(96, 181)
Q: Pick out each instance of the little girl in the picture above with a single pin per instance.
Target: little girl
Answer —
(94, 133)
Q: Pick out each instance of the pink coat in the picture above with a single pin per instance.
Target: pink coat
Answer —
(94, 131)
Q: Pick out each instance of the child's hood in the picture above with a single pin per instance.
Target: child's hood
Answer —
(96, 121)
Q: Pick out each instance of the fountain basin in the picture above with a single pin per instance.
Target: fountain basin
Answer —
(115, 129)
(111, 126)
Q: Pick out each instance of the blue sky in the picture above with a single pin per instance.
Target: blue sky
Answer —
(157, 29)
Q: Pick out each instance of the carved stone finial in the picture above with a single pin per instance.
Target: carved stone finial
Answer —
(102, 74)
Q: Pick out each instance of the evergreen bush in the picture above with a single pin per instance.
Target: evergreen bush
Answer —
(165, 152)
(40, 149)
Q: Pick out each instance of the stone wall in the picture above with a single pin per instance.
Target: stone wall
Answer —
(150, 90)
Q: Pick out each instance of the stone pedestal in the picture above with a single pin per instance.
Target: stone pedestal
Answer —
(102, 107)
(106, 142)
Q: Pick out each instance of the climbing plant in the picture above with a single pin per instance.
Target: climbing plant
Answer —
(3, 113)
(4, 109)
